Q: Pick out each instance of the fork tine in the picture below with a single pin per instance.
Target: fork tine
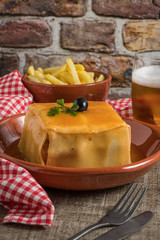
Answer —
(128, 198)
(137, 203)
(122, 198)
(130, 204)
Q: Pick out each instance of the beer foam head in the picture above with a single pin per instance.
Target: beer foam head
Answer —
(148, 76)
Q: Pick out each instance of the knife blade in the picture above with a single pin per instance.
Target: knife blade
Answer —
(128, 228)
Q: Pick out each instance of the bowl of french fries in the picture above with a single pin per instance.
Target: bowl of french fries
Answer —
(67, 82)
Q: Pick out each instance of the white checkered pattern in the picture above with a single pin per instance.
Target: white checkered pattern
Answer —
(27, 202)
(14, 97)
(122, 106)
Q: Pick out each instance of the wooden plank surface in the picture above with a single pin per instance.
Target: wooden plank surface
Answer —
(74, 210)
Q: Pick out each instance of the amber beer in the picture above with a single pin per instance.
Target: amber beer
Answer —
(146, 94)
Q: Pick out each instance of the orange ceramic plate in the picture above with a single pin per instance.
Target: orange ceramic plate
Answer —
(145, 152)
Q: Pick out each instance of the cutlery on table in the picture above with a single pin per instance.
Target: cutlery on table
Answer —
(128, 228)
(120, 213)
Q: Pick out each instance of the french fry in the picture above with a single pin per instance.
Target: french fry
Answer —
(46, 81)
(40, 70)
(73, 71)
(39, 75)
(85, 77)
(31, 70)
(59, 71)
(51, 70)
(91, 74)
(33, 79)
(54, 80)
(69, 73)
(100, 78)
(79, 67)
(66, 77)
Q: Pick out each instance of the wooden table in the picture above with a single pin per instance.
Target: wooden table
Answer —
(75, 210)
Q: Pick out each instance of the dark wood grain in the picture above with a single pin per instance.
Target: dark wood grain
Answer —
(77, 209)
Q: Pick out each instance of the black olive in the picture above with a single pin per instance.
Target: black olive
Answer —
(82, 103)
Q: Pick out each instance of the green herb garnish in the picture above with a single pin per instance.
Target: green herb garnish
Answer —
(62, 108)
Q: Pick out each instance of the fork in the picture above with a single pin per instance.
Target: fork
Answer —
(120, 213)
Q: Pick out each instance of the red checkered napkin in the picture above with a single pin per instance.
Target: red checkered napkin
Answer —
(27, 202)
(122, 106)
(14, 97)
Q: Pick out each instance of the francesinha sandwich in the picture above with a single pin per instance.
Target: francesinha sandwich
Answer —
(77, 135)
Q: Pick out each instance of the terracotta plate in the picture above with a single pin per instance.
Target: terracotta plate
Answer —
(145, 152)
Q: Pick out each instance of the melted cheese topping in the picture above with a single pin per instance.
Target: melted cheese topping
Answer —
(99, 117)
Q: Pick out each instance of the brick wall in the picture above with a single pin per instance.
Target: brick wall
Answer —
(102, 34)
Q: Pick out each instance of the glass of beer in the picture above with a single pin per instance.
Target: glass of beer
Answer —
(146, 89)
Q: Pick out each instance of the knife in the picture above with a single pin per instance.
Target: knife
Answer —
(128, 228)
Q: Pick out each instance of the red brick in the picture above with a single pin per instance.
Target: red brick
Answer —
(156, 2)
(44, 7)
(8, 63)
(128, 9)
(88, 36)
(142, 36)
(25, 33)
